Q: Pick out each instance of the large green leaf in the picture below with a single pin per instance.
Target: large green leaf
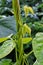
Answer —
(38, 47)
(6, 48)
(7, 26)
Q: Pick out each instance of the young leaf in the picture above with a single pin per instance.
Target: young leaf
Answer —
(38, 47)
(31, 10)
(26, 29)
(26, 40)
(5, 38)
(28, 10)
(6, 48)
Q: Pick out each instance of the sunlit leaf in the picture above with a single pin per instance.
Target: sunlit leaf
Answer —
(38, 47)
(5, 38)
(6, 48)
(26, 40)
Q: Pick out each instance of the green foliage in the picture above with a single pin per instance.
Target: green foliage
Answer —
(36, 26)
(22, 29)
(7, 26)
(5, 38)
(6, 48)
(8, 43)
(6, 62)
(38, 47)
(26, 40)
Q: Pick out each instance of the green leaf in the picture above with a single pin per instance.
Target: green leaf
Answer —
(5, 62)
(26, 40)
(5, 38)
(6, 48)
(7, 26)
(38, 47)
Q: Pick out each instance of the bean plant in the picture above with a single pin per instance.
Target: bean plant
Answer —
(18, 40)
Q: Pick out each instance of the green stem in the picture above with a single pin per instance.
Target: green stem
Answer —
(16, 53)
(16, 8)
(26, 55)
